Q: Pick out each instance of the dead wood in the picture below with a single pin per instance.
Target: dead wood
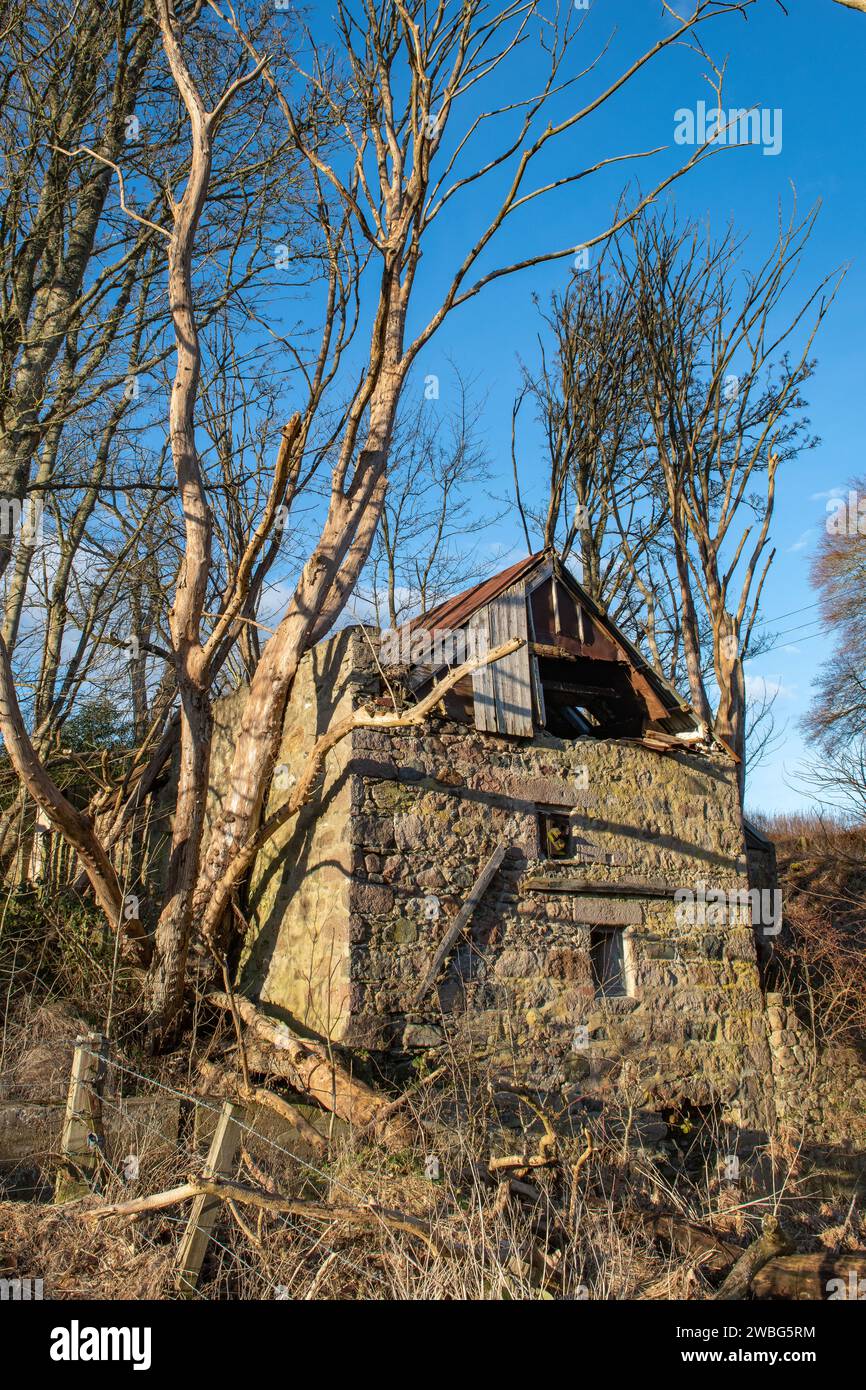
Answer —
(394, 1107)
(811, 1276)
(684, 1237)
(370, 1214)
(313, 1069)
(222, 1082)
(139, 1206)
(520, 1162)
(288, 1112)
(770, 1243)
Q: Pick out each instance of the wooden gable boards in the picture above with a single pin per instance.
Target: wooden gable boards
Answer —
(503, 692)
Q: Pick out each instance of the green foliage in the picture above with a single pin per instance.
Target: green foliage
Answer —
(95, 727)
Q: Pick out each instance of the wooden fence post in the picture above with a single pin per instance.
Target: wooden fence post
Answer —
(83, 1140)
(220, 1164)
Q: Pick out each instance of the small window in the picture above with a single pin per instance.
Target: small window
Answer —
(607, 952)
(555, 836)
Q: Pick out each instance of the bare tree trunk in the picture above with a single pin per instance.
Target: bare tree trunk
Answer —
(325, 584)
(167, 976)
(691, 639)
(168, 970)
(730, 722)
(262, 721)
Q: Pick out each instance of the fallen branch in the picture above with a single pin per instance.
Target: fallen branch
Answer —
(311, 1068)
(770, 1243)
(225, 1084)
(289, 1112)
(812, 1277)
(395, 1106)
(139, 1206)
(516, 1161)
(684, 1237)
(235, 1192)
(462, 919)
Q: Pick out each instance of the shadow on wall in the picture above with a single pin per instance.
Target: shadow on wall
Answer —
(298, 898)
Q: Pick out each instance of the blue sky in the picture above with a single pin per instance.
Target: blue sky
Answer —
(808, 64)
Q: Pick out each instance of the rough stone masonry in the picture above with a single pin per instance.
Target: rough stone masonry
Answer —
(350, 901)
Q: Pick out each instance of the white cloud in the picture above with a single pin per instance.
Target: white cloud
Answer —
(802, 541)
(768, 688)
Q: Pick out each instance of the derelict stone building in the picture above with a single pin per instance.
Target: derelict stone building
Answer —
(549, 811)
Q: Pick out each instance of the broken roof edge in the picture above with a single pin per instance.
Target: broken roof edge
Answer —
(457, 610)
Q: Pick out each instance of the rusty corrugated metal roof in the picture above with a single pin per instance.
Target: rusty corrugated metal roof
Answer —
(454, 612)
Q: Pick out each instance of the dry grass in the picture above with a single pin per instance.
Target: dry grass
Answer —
(820, 959)
(574, 1229)
(77, 1259)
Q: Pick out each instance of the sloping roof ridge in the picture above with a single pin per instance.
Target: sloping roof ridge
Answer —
(459, 608)
(607, 622)
(454, 612)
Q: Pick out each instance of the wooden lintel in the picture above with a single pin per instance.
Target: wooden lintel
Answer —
(567, 688)
(625, 888)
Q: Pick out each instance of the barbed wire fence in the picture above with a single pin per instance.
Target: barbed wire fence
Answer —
(138, 1148)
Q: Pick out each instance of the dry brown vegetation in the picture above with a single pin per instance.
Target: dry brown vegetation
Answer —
(530, 1196)
(821, 956)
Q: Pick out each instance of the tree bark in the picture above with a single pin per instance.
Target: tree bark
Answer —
(770, 1243)
(75, 827)
(168, 968)
(311, 1067)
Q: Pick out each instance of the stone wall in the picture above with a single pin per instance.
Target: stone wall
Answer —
(349, 902)
(429, 806)
(820, 1089)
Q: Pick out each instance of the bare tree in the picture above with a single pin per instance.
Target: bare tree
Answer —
(838, 713)
(374, 128)
(836, 721)
(427, 543)
(672, 459)
(604, 504)
(403, 173)
(724, 409)
(59, 83)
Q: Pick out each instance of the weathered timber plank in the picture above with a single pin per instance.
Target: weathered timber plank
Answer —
(482, 679)
(462, 918)
(625, 888)
(512, 679)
